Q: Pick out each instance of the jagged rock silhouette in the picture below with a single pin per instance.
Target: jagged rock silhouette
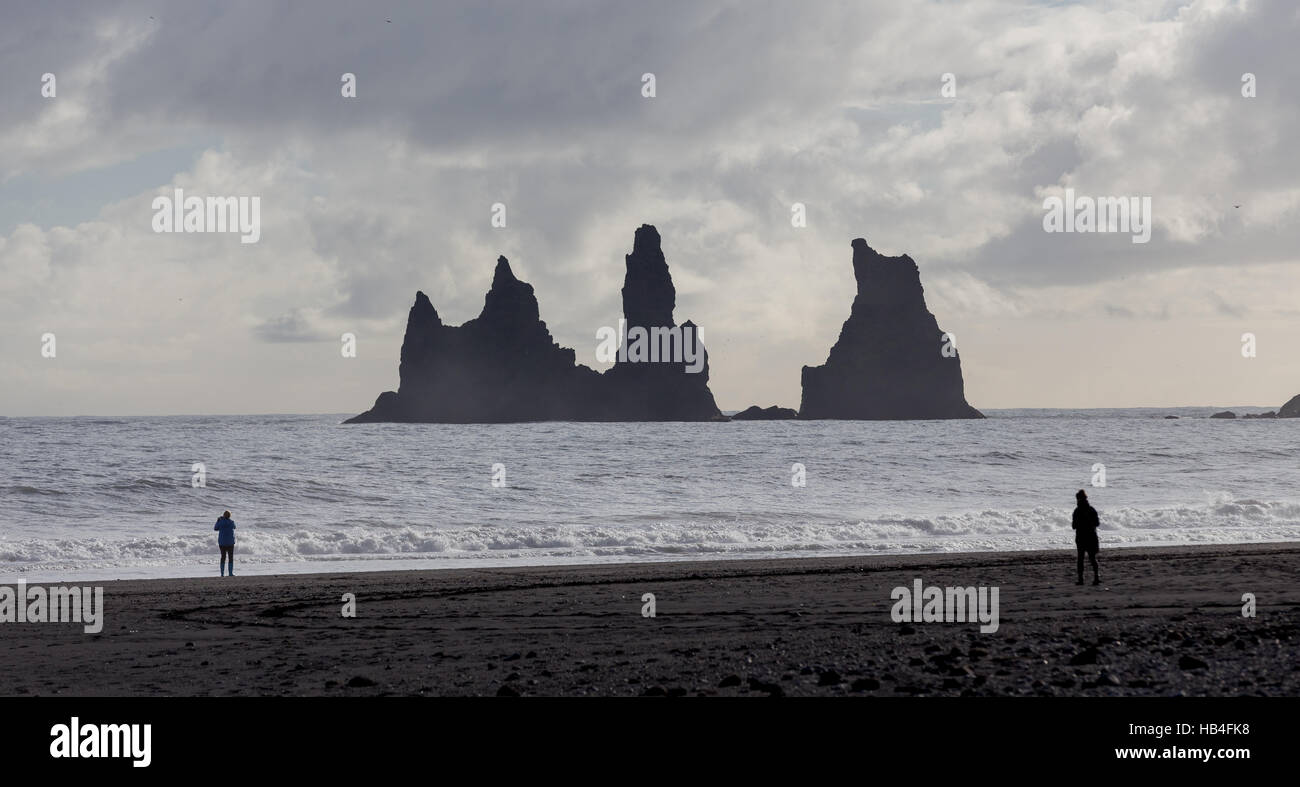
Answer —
(504, 366)
(656, 391)
(773, 413)
(887, 363)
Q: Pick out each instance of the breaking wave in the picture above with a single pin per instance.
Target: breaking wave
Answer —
(119, 495)
(1225, 521)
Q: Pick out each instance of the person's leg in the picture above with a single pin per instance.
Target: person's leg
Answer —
(1096, 572)
(223, 559)
(1079, 581)
(232, 559)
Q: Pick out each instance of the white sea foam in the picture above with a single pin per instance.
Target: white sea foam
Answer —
(102, 498)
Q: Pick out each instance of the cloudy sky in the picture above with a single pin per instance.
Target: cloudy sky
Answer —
(539, 106)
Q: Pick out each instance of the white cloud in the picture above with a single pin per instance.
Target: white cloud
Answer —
(835, 105)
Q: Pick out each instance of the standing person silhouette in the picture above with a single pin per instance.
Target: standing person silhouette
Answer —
(225, 528)
(1085, 524)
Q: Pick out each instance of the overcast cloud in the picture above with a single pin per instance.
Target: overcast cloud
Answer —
(538, 105)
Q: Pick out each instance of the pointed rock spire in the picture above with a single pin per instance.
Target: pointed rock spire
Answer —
(509, 301)
(503, 276)
(889, 361)
(648, 293)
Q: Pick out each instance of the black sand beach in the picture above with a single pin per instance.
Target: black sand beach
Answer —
(1165, 622)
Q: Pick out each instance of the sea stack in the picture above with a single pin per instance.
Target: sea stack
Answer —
(664, 390)
(773, 413)
(889, 362)
(503, 366)
(500, 366)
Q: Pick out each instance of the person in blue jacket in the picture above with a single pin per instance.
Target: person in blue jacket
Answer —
(225, 528)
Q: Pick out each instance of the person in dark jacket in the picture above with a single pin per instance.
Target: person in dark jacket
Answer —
(1085, 524)
(225, 528)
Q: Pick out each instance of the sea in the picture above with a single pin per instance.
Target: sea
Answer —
(98, 498)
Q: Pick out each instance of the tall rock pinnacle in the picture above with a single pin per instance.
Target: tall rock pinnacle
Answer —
(648, 293)
(664, 390)
(888, 362)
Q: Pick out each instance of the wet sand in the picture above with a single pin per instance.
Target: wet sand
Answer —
(1165, 622)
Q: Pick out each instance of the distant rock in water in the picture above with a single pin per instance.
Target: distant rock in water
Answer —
(888, 362)
(655, 391)
(1291, 409)
(500, 366)
(503, 366)
(1225, 414)
(773, 413)
(1269, 414)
